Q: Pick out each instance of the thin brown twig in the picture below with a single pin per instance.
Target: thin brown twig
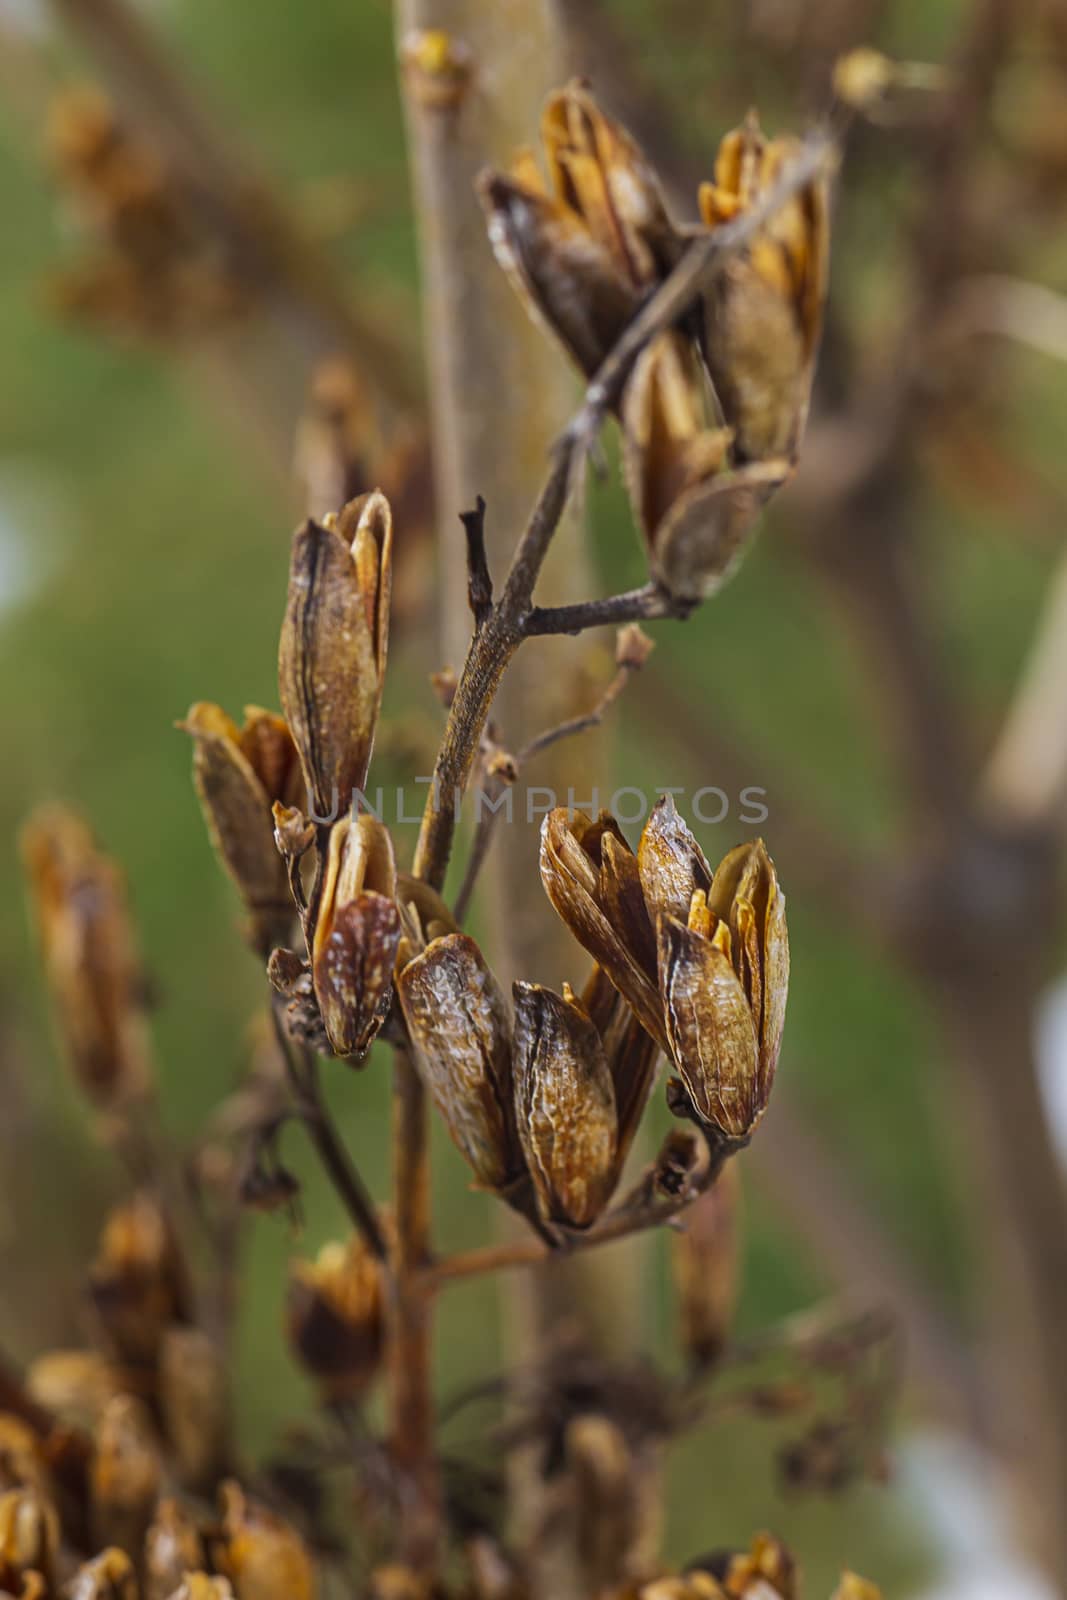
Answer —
(647, 604)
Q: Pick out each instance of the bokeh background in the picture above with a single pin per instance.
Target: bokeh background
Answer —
(145, 512)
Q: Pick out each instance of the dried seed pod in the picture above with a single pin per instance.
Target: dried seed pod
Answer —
(853, 1588)
(240, 773)
(724, 976)
(29, 1534)
(262, 1556)
(632, 1056)
(31, 1586)
(137, 1281)
(766, 1572)
(357, 929)
(90, 957)
(590, 875)
(201, 1586)
(335, 1318)
(583, 251)
(74, 1384)
(193, 1397)
(461, 1034)
(693, 1586)
(695, 506)
(565, 1105)
(125, 1475)
(22, 1460)
(334, 640)
(705, 1258)
(108, 1576)
(764, 309)
(172, 1548)
(670, 863)
(616, 1511)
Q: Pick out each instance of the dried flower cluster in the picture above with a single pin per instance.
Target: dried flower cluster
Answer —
(713, 411)
(120, 1449)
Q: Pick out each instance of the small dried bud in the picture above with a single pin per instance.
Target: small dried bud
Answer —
(240, 773)
(22, 1459)
(29, 1534)
(172, 1548)
(74, 1384)
(336, 438)
(437, 67)
(764, 309)
(335, 1318)
(398, 1583)
(263, 1557)
(582, 251)
(633, 646)
(90, 958)
(193, 1399)
(125, 1476)
(201, 1586)
(853, 1588)
(334, 640)
(695, 508)
(444, 685)
(461, 1034)
(357, 929)
(565, 1105)
(767, 1572)
(137, 1281)
(616, 1510)
(293, 833)
(694, 1586)
(109, 1576)
(286, 971)
(705, 1258)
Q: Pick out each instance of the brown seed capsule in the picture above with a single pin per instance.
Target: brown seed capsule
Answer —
(357, 929)
(590, 875)
(583, 250)
(853, 1588)
(764, 309)
(460, 1030)
(724, 976)
(263, 1557)
(193, 1397)
(565, 1105)
(201, 1586)
(29, 1534)
(172, 1548)
(90, 958)
(335, 1318)
(74, 1384)
(331, 663)
(693, 1586)
(22, 1459)
(616, 1511)
(704, 1253)
(695, 507)
(632, 1056)
(109, 1576)
(125, 1475)
(137, 1280)
(239, 774)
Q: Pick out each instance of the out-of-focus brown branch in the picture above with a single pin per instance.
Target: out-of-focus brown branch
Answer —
(313, 306)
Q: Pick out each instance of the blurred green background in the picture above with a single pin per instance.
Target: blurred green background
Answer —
(143, 567)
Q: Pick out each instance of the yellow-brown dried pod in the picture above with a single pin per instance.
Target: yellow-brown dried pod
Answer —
(853, 1588)
(172, 1547)
(73, 1384)
(591, 876)
(764, 309)
(125, 1475)
(239, 774)
(108, 1576)
(616, 1505)
(90, 957)
(30, 1586)
(461, 1034)
(193, 1398)
(582, 251)
(29, 1534)
(335, 1318)
(767, 1565)
(705, 1257)
(137, 1281)
(357, 929)
(22, 1461)
(696, 508)
(693, 1586)
(631, 1053)
(202, 1586)
(334, 641)
(263, 1557)
(724, 976)
(564, 1104)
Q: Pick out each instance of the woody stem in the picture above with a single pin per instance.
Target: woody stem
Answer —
(410, 1313)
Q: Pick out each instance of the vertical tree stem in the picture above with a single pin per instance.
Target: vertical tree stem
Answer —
(410, 1343)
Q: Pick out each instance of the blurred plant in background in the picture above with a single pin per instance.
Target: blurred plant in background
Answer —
(921, 824)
